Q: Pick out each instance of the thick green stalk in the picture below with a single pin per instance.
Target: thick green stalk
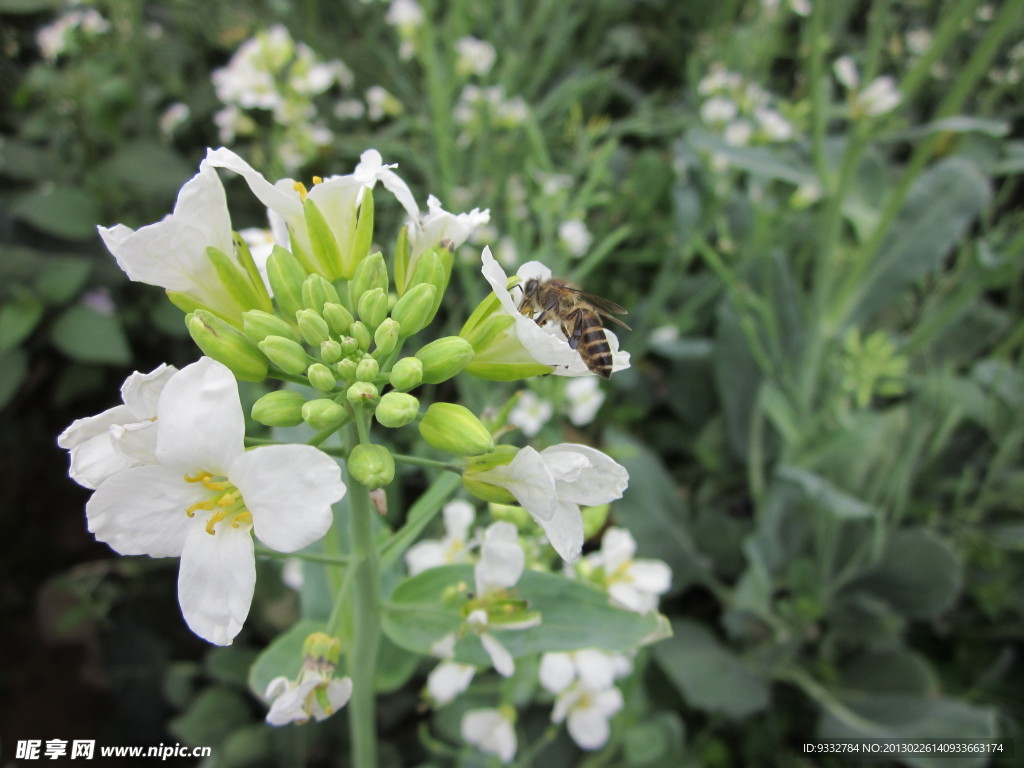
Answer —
(365, 606)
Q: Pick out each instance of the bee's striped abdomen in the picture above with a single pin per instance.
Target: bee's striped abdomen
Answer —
(593, 345)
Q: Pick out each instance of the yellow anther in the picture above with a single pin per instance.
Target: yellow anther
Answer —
(226, 500)
(301, 189)
(317, 180)
(216, 485)
(243, 519)
(200, 477)
(214, 519)
(205, 505)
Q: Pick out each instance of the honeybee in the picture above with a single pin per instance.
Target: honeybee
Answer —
(580, 316)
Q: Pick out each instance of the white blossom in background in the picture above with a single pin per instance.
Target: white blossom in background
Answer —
(590, 668)
(454, 547)
(296, 701)
(584, 396)
(349, 109)
(801, 7)
(175, 116)
(878, 97)
(474, 56)
(553, 184)
(54, 39)
(474, 102)
(985, 13)
(587, 714)
(292, 575)
(530, 413)
(718, 110)
(634, 584)
(119, 438)
(665, 334)
(447, 680)
(741, 111)
(738, 133)
(380, 104)
(575, 236)
(407, 17)
(491, 731)
(919, 40)
(846, 72)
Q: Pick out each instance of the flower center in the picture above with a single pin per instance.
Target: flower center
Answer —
(302, 190)
(225, 502)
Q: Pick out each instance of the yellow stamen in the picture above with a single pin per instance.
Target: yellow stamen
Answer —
(317, 180)
(301, 189)
(226, 500)
(215, 518)
(204, 505)
(200, 477)
(245, 518)
(218, 485)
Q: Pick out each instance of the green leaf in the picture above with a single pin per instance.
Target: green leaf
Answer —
(14, 364)
(919, 574)
(211, 717)
(826, 496)
(573, 616)
(246, 746)
(942, 204)
(283, 657)
(395, 666)
(67, 212)
(229, 664)
(147, 168)
(759, 161)
(895, 670)
(18, 318)
(29, 6)
(737, 376)
(62, 277)
(708, 675)
(87, 336)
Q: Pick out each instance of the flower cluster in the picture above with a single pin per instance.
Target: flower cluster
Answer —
(744, 112)
(316, 692)
(878, 97)
(62, 34)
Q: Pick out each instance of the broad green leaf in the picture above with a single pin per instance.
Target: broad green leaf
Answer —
(955, 124)
(655, 740)
(942, 204)
(395, 666)
(896, 670)
(87, 336)
(62, 277)
(211, 717)
(737, 376)
(826, 496)
(14, 364)
(573, 616)
(919, 574)
(18, 318)
(67, 212)
(772, 163)
(283, 657)
(709, 676)
(229, 664)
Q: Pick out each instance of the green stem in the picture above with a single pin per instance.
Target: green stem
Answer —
(365, 605)
(418, 461)
(309, 557)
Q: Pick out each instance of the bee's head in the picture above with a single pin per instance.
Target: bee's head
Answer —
(531, 286)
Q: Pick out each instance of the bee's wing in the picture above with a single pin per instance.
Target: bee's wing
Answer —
(603, 307)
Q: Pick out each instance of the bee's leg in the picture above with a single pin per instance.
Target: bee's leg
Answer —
(543, 316)
(573, 329)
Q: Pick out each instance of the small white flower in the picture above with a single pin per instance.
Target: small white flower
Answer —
(447, 680)
(801, 7)
(665, 334)
(453, 548)
(506, 251)
(918, 40)
(585, 397)
(474, 56)
(633, 584)
(593, 669)
(531, 413)
(773, 125)
(439, 226)
(879, 97)
(575, 236)
(380, 104)
(552, 484)
(206, 495)
(588, 713)
(174, 117)
(404, 13)
(491, 731)
(292, 573)
(296, 701)
(121, 437)
(738, 133)
(349, 109)
(718, 110)
(846, 72)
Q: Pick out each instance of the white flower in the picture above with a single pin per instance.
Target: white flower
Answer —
(296, 701)
(773, 125)
(121, 437)
(738, 133)
(665, 334)
(473, 56)
(438, 226)
(585, 397)
(172, 254)
(453, 548)
(506, 251)
(552, 484)
(174, 117)
(380, 103)
(448, 679)
(491, 731)
(880, 96)
(801, 7)
(846, 72)
(718, 110)
(588, 714)
(530, 412)
(404, 14)
(594, 670)
(205, 496)
(545, 344)
(349, 109)
(633, 584)
(918, 40)
(575, 236)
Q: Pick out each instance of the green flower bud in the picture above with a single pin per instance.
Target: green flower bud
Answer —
(402, 260)
(444, 358)
(226, 344)
(361, 334)
(346, 369)
(286, 276)
(454, 429)
(396, 409)
(322, 647)
(312, 327)
(317, 291)
(373, 307)
(330, 351)
(428, 269)
(258, 324)
(364, 229)
(386, 336)
(237, 284)
(371, 465)
(282, 408)
(414, 311)
(502, 454)
(325, 246)
(370, 273)
(320, 376)
(338, 318)
(362, 392)
(349, 345)
(286, 354)
(407, 374)
(324, 414)
(367, 369)
(510, 513)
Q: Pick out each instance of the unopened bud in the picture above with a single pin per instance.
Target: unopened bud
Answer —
(502, 454)
(330, 351)
(349, 345)
(324, 414)
(282, 408)
(312, 327)
(346, 369)
(286, 276)
(444, 358)
(373, 307)
(371, 465)
(362, 392)
(320, 377)
(396, 409)
(286, 354)
(414, 310)
(455, 429)
(258, 324)
(226, 344)
(317, 291)
(370, 273)
(325, 246)
(385, 338)
(322, 647)
(361, 334)
(367, 369)
(338, 318)
(407, 374)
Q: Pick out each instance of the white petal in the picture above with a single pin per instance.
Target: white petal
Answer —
(588, 728)
(448, 679)
(83, 430)
(617, 548)
(534, 270)
(286, 706)
(216, 581)
(595, 669)
(652, 576)
(501, 558)
(458, 517)
(93, 455)
(500, 657)
(136, 442)
(557, 671)
(201, 425)
(597, 481)
(564, 703)
(565, 531)
(289, 489)
(631, 598)
(425, 555)
(275, 198)
(607, 702)
(528, 478)
(491, 732)
(141, 511)
(444, 648)
(338, 693)
(141, 391)
(203, 205)
(276, 687)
